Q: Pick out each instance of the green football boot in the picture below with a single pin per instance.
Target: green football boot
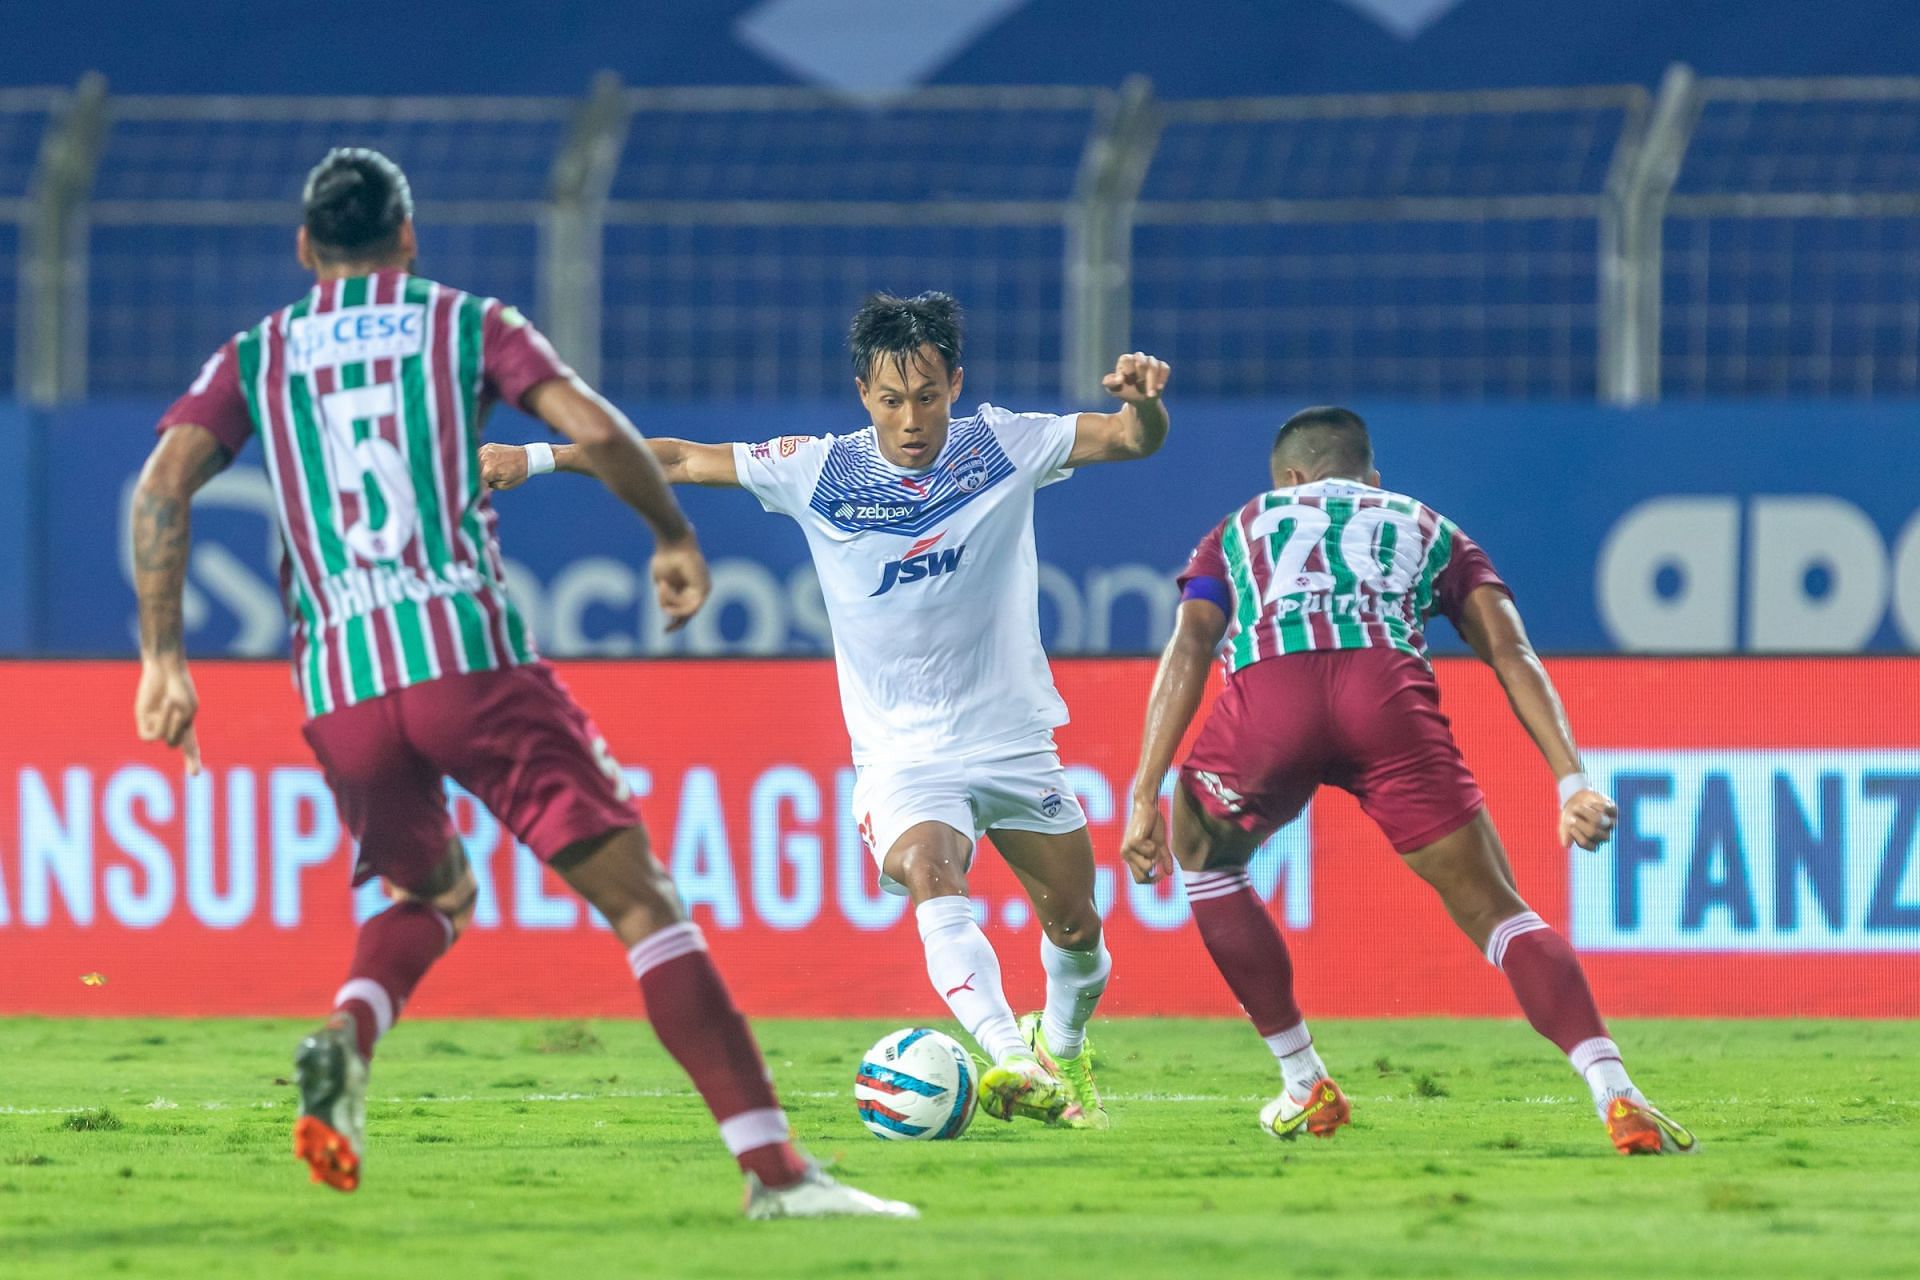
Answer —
(1084, 1108)
(1021, 1088)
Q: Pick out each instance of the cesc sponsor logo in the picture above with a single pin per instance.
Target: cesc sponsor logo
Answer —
(1816, 575)
(922, 560)
(1798, 851)
(354, 334)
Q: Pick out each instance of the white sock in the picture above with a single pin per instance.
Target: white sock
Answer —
(966, 973)
(1300, 1066)
(1075, 982)
(1598, 1061)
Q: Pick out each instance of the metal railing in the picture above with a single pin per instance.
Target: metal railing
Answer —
(1715, 237)
(1792, 259)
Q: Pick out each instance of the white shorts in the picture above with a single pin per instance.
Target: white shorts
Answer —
(1020, 786)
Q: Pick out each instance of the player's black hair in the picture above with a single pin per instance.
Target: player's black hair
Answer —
(1325, 440)
(886, 327)
(354, 202)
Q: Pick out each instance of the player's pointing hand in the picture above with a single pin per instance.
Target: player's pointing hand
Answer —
(165, 707)
(1138, 377)
(503, 466)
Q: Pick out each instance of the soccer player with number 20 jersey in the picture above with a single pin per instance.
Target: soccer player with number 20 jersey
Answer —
(1315, 595)
(368, 396)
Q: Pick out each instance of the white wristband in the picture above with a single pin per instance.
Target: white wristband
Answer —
(539, 459)
(1572, 785)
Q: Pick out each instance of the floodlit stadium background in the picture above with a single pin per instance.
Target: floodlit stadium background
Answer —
(1639, 307)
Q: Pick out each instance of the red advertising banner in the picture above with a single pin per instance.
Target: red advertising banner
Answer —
(1764, 865)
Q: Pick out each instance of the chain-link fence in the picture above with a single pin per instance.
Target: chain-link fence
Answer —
(1716, 238)
(1793, 242)
(744, 226)
(1418, 245)
(194, 206)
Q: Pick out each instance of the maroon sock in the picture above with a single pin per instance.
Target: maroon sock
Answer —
(694, 1016)
(1246, 946)
(395, 950)
(1547, 980)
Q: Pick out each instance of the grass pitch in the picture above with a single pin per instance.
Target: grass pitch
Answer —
(160, 1148)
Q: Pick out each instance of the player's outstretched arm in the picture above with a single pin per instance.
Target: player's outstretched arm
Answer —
(1177, 688)
(508, 466)
(1139, 428)
(1489, 623)
(166, 705)
(609, 448)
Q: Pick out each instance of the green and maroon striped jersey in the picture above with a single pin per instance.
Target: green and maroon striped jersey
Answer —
(368, 396)
(1333, 565)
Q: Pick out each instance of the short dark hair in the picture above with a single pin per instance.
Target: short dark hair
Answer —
(1325, 440)
(886, 327)
(354, 202)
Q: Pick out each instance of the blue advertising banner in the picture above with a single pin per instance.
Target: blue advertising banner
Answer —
(1704, 528)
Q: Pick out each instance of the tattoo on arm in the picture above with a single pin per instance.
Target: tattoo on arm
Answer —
(162, 534)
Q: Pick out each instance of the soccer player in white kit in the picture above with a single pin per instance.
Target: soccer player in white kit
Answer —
(921, 530)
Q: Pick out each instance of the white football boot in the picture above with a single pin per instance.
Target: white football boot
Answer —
(818, 1196)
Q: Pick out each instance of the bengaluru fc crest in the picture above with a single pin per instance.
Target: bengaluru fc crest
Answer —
(970, 472)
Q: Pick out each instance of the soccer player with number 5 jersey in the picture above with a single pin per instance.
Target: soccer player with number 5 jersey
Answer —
(369, 395)
(1315, 595)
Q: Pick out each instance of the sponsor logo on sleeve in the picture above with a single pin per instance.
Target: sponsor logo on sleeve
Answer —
(790, 445)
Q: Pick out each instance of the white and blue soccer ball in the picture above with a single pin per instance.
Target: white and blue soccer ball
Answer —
(916, 1084)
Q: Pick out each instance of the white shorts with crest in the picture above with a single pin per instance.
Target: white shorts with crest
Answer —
(1020, 786)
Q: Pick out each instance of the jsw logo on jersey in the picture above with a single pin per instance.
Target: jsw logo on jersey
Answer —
(921, 561)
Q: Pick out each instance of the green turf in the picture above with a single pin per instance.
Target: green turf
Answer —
(159, 1148)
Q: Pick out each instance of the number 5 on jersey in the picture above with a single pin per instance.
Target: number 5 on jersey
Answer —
(371, 469)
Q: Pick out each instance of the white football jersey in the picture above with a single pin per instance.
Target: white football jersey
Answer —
(930, 577)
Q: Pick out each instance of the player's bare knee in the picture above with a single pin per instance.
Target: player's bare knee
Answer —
(457, 904)
(649, 892)
(927, 872)
(1079, 931)
(450, 888)
(1200, 842)
(618, 874)
(1479, 906)
(1192, 845)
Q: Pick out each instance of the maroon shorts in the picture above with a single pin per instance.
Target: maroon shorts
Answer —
(1365, 720)
(514, 738)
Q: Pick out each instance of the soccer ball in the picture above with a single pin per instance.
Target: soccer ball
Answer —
(916, 1083)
